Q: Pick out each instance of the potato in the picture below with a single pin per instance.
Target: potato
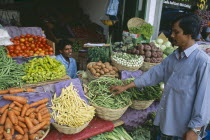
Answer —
(96, 67)
(107, 73)
(98, 70)
(112, 72)
(97, 75)
(106, 70)
(103, 66)
(102, 72)
(98, 63)
(89, 66)
(114, 68)
(109, 68)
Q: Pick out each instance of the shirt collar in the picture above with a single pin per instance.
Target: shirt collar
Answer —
(186, 52)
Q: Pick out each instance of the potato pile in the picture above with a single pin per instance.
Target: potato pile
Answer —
(99, 69)
(149, 51)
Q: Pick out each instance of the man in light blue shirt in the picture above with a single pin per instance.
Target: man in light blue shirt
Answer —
(65, 49)
(183, 111)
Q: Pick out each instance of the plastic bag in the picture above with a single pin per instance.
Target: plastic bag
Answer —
(4, 37)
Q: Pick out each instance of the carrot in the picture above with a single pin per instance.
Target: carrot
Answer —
(12, 131)
(19, 99)
(39, 116)
(32, 116)
(40, 107)
(46, 115)
(28, 122)
(25, 136)
(4, 92)
(18, 104)
(39, 102)
(35, 121)
(36, 127)
(17, 108)
(19, 129)
(24, 109)
(18, 137)
(29, 111)
(33, 136)
(40, 133)
(3, 108)
(45, 109)
(21, 119)
(30, 90)
(15, 90)
(45, 127)
(17, 113)
(25, 129)
(44, 112)
(12, 117)
(7, 136)
(3, 117)
(1, 129)
(21, 124)
(11, 105)
(8, 125)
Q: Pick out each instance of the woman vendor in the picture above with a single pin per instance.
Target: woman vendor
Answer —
(65, 49)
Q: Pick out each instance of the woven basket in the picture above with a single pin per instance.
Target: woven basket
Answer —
(45, 134)
(92, 77)
(139, 105)
(146, 66)
(135, 22)
(122, 67)
(70, 130)
(109, 114)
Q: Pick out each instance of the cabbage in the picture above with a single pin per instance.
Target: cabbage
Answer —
(159, 41)
(163, 47)
(167, 44)
(168, 50)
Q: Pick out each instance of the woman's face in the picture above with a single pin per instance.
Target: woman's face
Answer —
(178, 36)
(67, 51)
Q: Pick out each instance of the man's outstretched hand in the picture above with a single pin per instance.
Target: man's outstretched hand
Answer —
(117, 89)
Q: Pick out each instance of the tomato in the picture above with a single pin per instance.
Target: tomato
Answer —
(26, 39)
(28, 35)
(32, 45)
(13, 55)
(16, 51)
(17, 47)
(10, 47)
(22, 40)
(22, 36)
(27, 45)
(23, 47)
(51, 53)
(30, 39)
(12, 40)
(30, 54)
(29, 48)
(50, 49)
(46, 53)
(11, 50)
(35, 49)
(16, 38)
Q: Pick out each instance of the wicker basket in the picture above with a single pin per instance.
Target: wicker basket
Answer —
(70, 130)
(109, 114)
(146, 66)
(135, 22)
(45, 134)
(92, 77)
(122, 67)
(139, 105)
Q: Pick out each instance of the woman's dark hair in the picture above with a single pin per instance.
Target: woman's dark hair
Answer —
(190, 24)
(62, 43)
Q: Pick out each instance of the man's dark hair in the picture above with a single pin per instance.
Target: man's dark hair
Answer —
(190, 24)
(62, 43)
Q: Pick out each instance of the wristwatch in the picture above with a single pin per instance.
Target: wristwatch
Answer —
(198, 132)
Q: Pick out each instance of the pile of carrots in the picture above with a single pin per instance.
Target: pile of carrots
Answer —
(29, 120)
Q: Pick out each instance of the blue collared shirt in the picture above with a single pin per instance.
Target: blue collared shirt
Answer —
(185, 100)
(71, 68)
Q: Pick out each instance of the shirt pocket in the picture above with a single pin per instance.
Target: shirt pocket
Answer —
(181, 84)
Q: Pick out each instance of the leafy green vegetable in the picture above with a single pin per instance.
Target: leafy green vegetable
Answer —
(140, 133)
(145, 29)
(96, 54)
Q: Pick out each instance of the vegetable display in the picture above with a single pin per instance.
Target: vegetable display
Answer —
(118, 133)
(147, 93)
(29, 45)
(42, 69)
(100, 69)
(21, 121)
(99, 93)
(69, 109)
(11, 72)
(128, 60)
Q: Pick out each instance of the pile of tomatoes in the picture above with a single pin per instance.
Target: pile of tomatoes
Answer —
(29, 45)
